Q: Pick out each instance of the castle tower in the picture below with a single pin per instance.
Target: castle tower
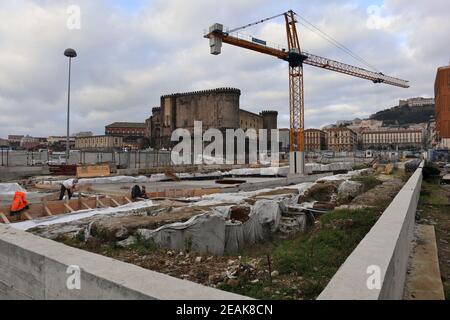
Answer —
(270, 119)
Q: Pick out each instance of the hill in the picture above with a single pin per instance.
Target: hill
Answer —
(404, 115)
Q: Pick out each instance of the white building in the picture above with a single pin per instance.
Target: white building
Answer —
(390, 139)
(416, 102)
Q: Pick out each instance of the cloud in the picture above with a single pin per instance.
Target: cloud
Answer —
(132, 52)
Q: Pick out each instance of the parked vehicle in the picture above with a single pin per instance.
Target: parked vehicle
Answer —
(37, 162)
(60, 160)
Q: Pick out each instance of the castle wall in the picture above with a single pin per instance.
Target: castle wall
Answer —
(249, 120)
(217, 108)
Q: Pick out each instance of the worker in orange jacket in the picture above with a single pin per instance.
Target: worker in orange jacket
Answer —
(19, 203)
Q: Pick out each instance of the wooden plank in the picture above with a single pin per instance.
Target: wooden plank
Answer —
(4, 218)
(83, 204)
(27, 215)
(47, 210)
(101, 203)
(91, 171)
(115, 202)
(171, 175)
(68, 207)
(127, 199)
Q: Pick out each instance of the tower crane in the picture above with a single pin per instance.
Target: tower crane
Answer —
(296, 58)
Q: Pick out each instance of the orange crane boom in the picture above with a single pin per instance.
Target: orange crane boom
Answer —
(296, 58)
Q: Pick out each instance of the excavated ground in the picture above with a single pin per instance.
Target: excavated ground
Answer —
(295, 268)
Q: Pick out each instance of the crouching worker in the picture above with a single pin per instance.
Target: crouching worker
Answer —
(19, 203)
(69, 186)
(144, 194)
(138, 193)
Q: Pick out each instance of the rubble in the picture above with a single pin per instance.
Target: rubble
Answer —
(348, 190)
(322, 191)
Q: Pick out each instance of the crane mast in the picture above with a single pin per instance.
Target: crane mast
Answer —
(296, 96)
(296, 59)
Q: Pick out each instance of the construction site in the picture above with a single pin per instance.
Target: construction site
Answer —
(139, 226)
(216, 227)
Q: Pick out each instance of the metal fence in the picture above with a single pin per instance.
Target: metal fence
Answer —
(10, 158)
(128, 160)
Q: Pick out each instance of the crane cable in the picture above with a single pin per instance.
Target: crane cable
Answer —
(310, 26)
(255, 23)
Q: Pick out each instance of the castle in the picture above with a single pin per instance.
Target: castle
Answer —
(216, 108)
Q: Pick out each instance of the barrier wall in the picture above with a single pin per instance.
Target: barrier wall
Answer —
(376, 269)
(32, 267)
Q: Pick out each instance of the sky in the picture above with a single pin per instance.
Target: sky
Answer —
(130, 52)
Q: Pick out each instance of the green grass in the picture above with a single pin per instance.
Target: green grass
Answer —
(361, 166)
(431, 195)
(110, 249)
(143, 247)
(315, 256)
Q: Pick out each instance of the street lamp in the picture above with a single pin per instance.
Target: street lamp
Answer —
(70, 53)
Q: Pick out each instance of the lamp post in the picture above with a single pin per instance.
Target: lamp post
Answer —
(70, 53)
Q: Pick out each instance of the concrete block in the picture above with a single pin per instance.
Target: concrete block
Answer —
(385, 248)
(36, 268)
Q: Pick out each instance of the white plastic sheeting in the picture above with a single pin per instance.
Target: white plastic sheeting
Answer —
(245, 172)
(140, 179)
(240, 197)
(311, 167)
(275, 171)
(106, 180)
(264, 217)
(214, 233)
(10, 188)
(349, 189)
(284, 171)
(81, 215)
(204, 233)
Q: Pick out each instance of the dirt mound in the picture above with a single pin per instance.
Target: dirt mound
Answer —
(382, 193)
(278, 192)
(119, 228)
(239, 213)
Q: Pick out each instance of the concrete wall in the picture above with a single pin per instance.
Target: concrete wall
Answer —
(35, 268)
(386, 247)
(12, 173)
